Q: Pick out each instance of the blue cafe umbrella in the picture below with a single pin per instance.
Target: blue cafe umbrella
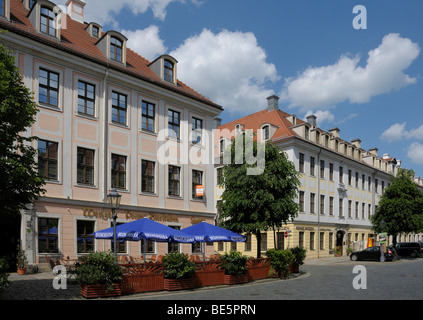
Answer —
(145, 229)
(205, 232)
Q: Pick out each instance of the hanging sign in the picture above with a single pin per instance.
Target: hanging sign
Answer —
(199, 190)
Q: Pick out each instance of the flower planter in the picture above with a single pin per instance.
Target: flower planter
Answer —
(21, 271)
(258, 268)
(99, 291)
(180, 284)
(236, 279)
(294, 268)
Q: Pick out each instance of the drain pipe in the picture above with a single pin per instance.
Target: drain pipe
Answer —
(318, 202)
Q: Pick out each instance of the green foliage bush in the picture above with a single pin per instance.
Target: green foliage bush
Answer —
(234, 263)
(4, 281)
(99, 268)
(280, 261)
(299, 255)
(177, 266)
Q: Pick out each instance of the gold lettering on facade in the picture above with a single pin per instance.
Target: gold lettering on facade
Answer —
(129, 215)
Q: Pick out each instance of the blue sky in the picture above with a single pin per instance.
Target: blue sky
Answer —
(367, 82)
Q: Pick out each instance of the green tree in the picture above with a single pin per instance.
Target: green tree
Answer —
(401, 206)
(253, 203)
(20, 182)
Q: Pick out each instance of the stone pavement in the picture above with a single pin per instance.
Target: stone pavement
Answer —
(40, 286)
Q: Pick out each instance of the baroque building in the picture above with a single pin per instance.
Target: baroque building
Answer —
(341, 183)
(108, 118)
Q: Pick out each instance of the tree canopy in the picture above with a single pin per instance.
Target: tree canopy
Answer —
(253, 203)
(20, 183)
(400, 207)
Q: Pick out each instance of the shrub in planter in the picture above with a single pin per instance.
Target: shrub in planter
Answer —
(178, 271)
(99, 269)
(280, 261)
(299, 257)
(177, 266)
(22, 261)
(235, 265)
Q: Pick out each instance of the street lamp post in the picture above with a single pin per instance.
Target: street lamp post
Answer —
(114, 200)
(382, 229)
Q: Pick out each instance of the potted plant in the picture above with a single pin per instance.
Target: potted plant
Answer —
(338, 251)
(235, 265)
(349, 251)
(99, 276)
(22, 261)
(299, 257)
(178, 271)
(280, 260)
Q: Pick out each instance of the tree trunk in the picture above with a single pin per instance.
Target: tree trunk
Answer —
(258, 236)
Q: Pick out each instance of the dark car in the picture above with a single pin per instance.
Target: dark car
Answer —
(409, 249)
(373, 254)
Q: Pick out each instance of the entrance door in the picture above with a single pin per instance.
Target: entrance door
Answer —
(339, 240)
(9, 239)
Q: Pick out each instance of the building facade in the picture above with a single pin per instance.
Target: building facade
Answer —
(107, 118)
(341, 183)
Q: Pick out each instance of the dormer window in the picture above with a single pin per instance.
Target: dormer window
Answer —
(95, 32)
(47, 21)
(165, 67)
(5, 9)
(113, 46)
(116, 47)
(168, 71)
(266, 132)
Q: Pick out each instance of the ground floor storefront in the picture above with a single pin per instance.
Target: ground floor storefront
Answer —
(319, 240)
(64, 229)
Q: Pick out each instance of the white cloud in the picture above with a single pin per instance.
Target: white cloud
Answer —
(415, 153)
(146, 42)
(347, 81)
(398, 132)
(229, 67)
(103, 12)
(322, 116)
(395, 133)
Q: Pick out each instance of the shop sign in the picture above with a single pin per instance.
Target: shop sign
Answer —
(106, 214)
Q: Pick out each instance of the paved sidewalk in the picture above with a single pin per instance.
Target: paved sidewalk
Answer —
(40, 286)
(327, 260)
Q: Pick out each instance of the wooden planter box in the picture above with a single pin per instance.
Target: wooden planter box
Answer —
(99, 291)
(144, 277)
(236, 279)
(294, 268)
(209, 273)
(258, 268)
(180, 284)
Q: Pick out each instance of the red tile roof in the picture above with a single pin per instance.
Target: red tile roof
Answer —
(274, 117)
(76, 40)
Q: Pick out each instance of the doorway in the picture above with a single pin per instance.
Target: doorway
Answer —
(340, 240)
(10, 227)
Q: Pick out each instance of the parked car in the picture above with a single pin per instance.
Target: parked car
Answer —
(409, 249)
(373, 254)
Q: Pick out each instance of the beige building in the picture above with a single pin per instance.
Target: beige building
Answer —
(107, 118)
(341, 183)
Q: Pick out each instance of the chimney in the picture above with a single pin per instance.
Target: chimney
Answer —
(217, 122)
(386, 156)
(356, 143)
(334, 132)
(374, 151)
(312, 120)
(273, 103)
(75, 10)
